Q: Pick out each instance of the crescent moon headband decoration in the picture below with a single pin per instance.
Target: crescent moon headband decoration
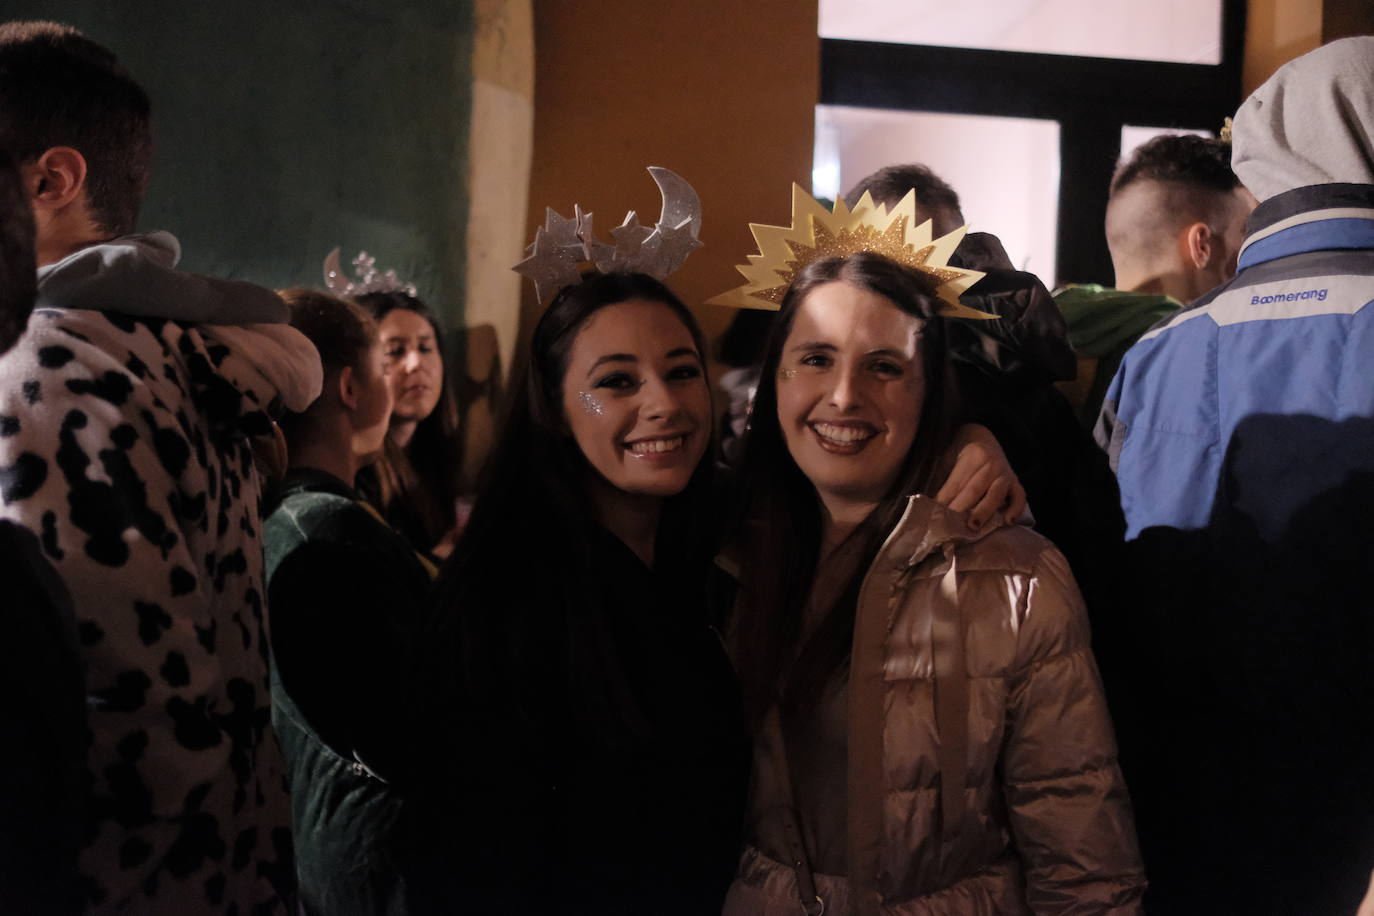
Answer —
(561, 244)
(367, 279)
(817, 233)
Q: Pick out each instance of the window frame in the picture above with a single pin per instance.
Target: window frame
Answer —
(1092, 98)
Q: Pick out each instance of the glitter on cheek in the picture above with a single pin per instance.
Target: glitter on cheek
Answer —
(787, 375)
(590, 404)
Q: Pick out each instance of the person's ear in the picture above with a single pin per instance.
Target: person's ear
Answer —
(56, 178)
(1199, 245)
(348, 388)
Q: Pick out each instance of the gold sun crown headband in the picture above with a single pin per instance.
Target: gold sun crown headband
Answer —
(817, 233)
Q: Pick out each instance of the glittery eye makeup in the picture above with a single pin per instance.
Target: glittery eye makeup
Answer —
(590, 404)
(787, 374)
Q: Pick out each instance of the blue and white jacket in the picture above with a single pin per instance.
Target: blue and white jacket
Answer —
(1258, 398)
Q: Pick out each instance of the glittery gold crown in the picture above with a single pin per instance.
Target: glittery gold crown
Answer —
(818, 233)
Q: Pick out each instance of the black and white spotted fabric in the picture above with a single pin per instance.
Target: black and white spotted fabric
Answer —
(125, 447)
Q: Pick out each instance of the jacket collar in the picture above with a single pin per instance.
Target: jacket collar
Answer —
(313, 480)
(1315, 218)
(925, 527)
(928, 527)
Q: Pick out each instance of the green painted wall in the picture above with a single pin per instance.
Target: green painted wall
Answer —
(285, 129)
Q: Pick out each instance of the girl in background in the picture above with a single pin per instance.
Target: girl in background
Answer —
(415, 480)
(345, 592)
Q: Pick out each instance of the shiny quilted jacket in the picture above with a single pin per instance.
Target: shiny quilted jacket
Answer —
(982, 763)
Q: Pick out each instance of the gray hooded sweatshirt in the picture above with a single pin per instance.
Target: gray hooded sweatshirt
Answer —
(1311, 123)
(135, 275)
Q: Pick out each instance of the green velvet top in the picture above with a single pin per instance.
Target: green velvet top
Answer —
(345, 598)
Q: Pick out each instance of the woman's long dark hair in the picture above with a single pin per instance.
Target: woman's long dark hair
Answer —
(417, 486)
(522, 582)
(780, 524)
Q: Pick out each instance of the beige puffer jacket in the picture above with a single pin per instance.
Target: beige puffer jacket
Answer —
(971, 648)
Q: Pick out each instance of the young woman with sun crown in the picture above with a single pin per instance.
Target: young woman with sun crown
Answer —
(931, 734)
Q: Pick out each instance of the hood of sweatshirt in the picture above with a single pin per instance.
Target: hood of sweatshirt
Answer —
(136, 275)
(1311, 123)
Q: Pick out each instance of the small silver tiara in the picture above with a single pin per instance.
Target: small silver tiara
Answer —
(367, 279)
(561, 244)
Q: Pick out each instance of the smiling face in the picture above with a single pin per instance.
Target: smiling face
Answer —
(635, 398)
(414, 366)
(851, 387)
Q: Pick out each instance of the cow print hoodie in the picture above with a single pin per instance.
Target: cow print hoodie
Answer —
(126, 426)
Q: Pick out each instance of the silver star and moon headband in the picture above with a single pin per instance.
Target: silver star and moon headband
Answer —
(366, 277)
(561, 245)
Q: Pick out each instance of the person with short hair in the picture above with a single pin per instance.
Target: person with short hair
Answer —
(935, 199)
(130, 407)
(42, 703)
(346, 592)
(1175, 222)
(1176, 216)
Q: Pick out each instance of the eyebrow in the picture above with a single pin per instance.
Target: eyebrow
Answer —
(405, 337)
(631, 358)
(612, 358)
(822, 345)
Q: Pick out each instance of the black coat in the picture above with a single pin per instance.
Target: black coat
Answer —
(1006, 369)
(43, 782)
(595, 759)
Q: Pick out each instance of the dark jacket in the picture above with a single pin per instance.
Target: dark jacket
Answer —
(596, 760)
(345, 592)
(1007, 369)
(43, 786)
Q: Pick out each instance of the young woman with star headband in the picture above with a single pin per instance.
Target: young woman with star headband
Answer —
(931, 734)
(589, 756)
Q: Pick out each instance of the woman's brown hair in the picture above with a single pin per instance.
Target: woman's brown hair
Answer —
(779, 529)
